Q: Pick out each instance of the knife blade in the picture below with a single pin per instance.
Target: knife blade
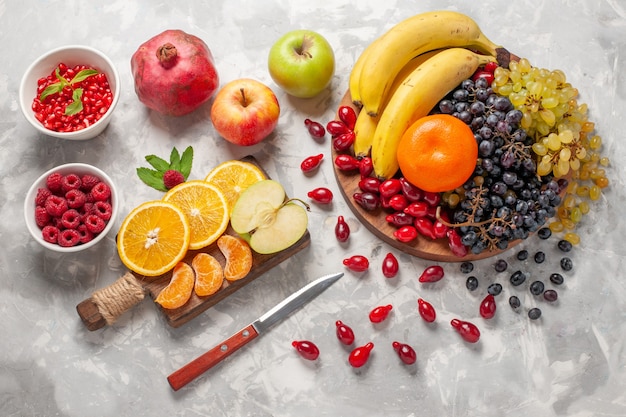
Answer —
(209, 359)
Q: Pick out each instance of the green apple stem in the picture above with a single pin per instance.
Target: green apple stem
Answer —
(303, 49)
(304, 203)
(244, 99)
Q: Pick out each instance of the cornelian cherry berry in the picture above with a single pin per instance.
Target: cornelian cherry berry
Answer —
(366, 167)
(468, 331)
(316, 130)
(390, 187)
(344, 333)
(357, 263)
(369, 201)
(426, 310)
(405, 352)
(390, 265)
(359, 356)
(405, 234)
(308, 350)
(369, 184)
(400, 219)
(455, 243)
(342, 230)
(321, 195)
(348, 116)
(311, 163)
(425, 227)
(346, 162)
(344, 141)
(488, 307)
(336, 128)
(432, 274)
(380, 313)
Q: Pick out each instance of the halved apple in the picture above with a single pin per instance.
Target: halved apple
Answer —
(266, 219)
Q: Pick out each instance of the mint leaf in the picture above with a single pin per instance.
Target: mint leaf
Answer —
(77, 105)
(175, 159)
(152, 178)
(159, 164)
(185, 162)
(83, 75)
(50, 90)
(62, 80)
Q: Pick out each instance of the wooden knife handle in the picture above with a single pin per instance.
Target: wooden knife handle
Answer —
(203, 363)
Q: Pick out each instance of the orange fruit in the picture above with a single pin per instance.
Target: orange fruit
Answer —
(232, 177)
(205, 207)
(178, 291)
(153, 238)
(437, 153)
(238, 257)
(209, 274)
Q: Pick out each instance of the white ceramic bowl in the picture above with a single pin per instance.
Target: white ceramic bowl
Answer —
(69, 55)
(79, 169)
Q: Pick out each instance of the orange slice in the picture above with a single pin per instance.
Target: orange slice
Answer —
(232, 177)
(153, 238)
(238, 257)
(178, 291)
(206, 210)
(209, 274)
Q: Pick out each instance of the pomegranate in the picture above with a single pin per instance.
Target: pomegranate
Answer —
(174, 73)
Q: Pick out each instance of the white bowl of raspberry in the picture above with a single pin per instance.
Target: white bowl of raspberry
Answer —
(70, 92)
(71, 207)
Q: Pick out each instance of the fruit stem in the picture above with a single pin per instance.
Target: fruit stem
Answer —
(167, 55)
(303, 49)
(468, 223)
(244, 99)
(304, 203)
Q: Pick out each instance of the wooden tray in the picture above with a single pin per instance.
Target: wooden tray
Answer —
(374, 221)
(94, 319)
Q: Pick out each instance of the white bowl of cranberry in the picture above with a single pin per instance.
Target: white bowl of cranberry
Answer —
(71, 207)
(70, 92)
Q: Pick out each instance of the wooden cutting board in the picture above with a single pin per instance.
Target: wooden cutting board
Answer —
(93, 318)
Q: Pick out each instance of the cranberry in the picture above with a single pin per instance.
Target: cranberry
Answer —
(321, 195)
(342, 230)
(405, 352)
(432, 274)
(306, 349)
(346, 162)
(390, 187)
(380, 313)
(369, 184)
(336, 128)
(316, 130)
(311, 163)
(366, 167)
(390, 266)
(405, 234)
(357, 263)
(359, 356)
(468, 331)
(344, 333)
(348, 116)
(343, 142)
(488, 307)
(426, 310)
(369, 201)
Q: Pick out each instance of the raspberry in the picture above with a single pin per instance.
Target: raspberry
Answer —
(42, 217)
(70, 182)
(50, 234)
(56, 206)
(75, 198)
(42, 195)
(84, 233)
(70, 219)
(171, 178)
(54, 182)
(102, 210)
(94, 223)
(69, 237)
(86, 209)
(100, 192)
(88, 182)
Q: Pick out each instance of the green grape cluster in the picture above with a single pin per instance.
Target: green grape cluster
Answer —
(564, 140)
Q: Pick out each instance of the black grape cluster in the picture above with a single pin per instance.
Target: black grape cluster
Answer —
(505, 199)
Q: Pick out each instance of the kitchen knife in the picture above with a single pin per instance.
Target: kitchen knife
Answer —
(203, 363)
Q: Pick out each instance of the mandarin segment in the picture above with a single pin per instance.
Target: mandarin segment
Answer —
(209, 274)
(178, 291)
(206, 209)
(153, 238)
(233, 177)
(238, 257)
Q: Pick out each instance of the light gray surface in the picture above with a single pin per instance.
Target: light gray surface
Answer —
(571, 363)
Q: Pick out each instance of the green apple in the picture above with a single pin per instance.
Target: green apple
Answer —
(302, 63)
(266, 220)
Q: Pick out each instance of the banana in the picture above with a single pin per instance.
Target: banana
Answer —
(366, 124)
(409, 38)
(355, 75)
(415, 97)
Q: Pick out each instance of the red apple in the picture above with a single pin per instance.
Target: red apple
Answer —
(245, 112)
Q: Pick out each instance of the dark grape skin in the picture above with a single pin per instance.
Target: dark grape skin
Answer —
(534, 313)
(471, 283)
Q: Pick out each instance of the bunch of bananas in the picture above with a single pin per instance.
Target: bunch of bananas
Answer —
(402, 75)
